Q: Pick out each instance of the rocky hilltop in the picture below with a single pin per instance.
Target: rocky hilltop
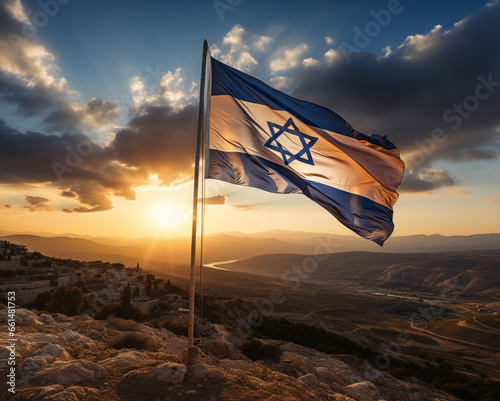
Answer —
(62, 358)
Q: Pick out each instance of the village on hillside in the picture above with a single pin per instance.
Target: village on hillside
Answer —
(31, 274)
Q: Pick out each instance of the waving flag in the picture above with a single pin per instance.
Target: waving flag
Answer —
(263, 138)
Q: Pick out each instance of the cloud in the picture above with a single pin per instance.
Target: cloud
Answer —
(38, 204)
(288, 58)
(68, 194)
(329, 40)
(239, 45)
(68, 162)
(169, 90)
(493, 200)
(29, 76)
(280, 82)
(310, 62)
(216, 200)
(158, 139)
(244, 208)
(426, 181)
(460, 191)
(7, 206)
(443, 80)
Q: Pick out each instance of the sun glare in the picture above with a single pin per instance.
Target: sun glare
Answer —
(165, 215)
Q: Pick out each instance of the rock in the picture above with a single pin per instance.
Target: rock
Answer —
(73, 336)
(34, 364)
(25, 314)
(126, 359)
(170, 372)
(175, 346)
(71, 372)
(60, 318)
(220, 349)
(42, 339)
(191, 392)
(198, 371)
(4, 356)
(244, 366)
(63, 397)
(363, 391)
(45, 318)
(55, 351)
(308, 380)
(215, 374)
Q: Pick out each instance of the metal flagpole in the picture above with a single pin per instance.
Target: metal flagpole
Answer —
(200, 134)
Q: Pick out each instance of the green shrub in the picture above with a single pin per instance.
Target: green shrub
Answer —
(255, 350)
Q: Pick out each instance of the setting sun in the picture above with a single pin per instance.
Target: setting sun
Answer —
(166, 215)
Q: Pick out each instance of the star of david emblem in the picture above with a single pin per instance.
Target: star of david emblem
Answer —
(307, 141)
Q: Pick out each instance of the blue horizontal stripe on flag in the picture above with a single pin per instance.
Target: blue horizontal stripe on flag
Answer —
(229, 81)
(365, 217)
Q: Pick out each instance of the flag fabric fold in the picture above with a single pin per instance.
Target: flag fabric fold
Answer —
(263, 138)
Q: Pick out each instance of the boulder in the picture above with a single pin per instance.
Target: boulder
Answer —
(244, 366)
(73, 336)
(56, 351)
(60, 318)
(220, 349)
(198, 371)
(170, 372)
(126, 359)
(175, 346)
(34, 364)
(45, 318)
(71, 372)
(363, 391)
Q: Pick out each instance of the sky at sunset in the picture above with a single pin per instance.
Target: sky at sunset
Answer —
(99, 108)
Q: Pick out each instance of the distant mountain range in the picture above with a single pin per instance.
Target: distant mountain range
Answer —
(235, 245)
(419, 260)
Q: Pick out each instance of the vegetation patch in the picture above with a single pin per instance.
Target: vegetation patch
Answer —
(255, 350)
(134, 340)
(176, 328)
(312, 337)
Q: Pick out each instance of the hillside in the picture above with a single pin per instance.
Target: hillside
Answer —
(472, 270)
(78, 358)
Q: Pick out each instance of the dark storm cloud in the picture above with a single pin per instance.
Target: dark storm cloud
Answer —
(160, 141)
(447, 80)
(30, 101)
(66, 161)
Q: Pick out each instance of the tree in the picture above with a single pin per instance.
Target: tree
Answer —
(41, 300)
(126, 298)
(65, 300)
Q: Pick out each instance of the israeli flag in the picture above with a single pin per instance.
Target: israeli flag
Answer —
(263, 138)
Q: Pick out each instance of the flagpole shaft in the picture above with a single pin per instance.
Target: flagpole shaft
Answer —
(200, 134)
